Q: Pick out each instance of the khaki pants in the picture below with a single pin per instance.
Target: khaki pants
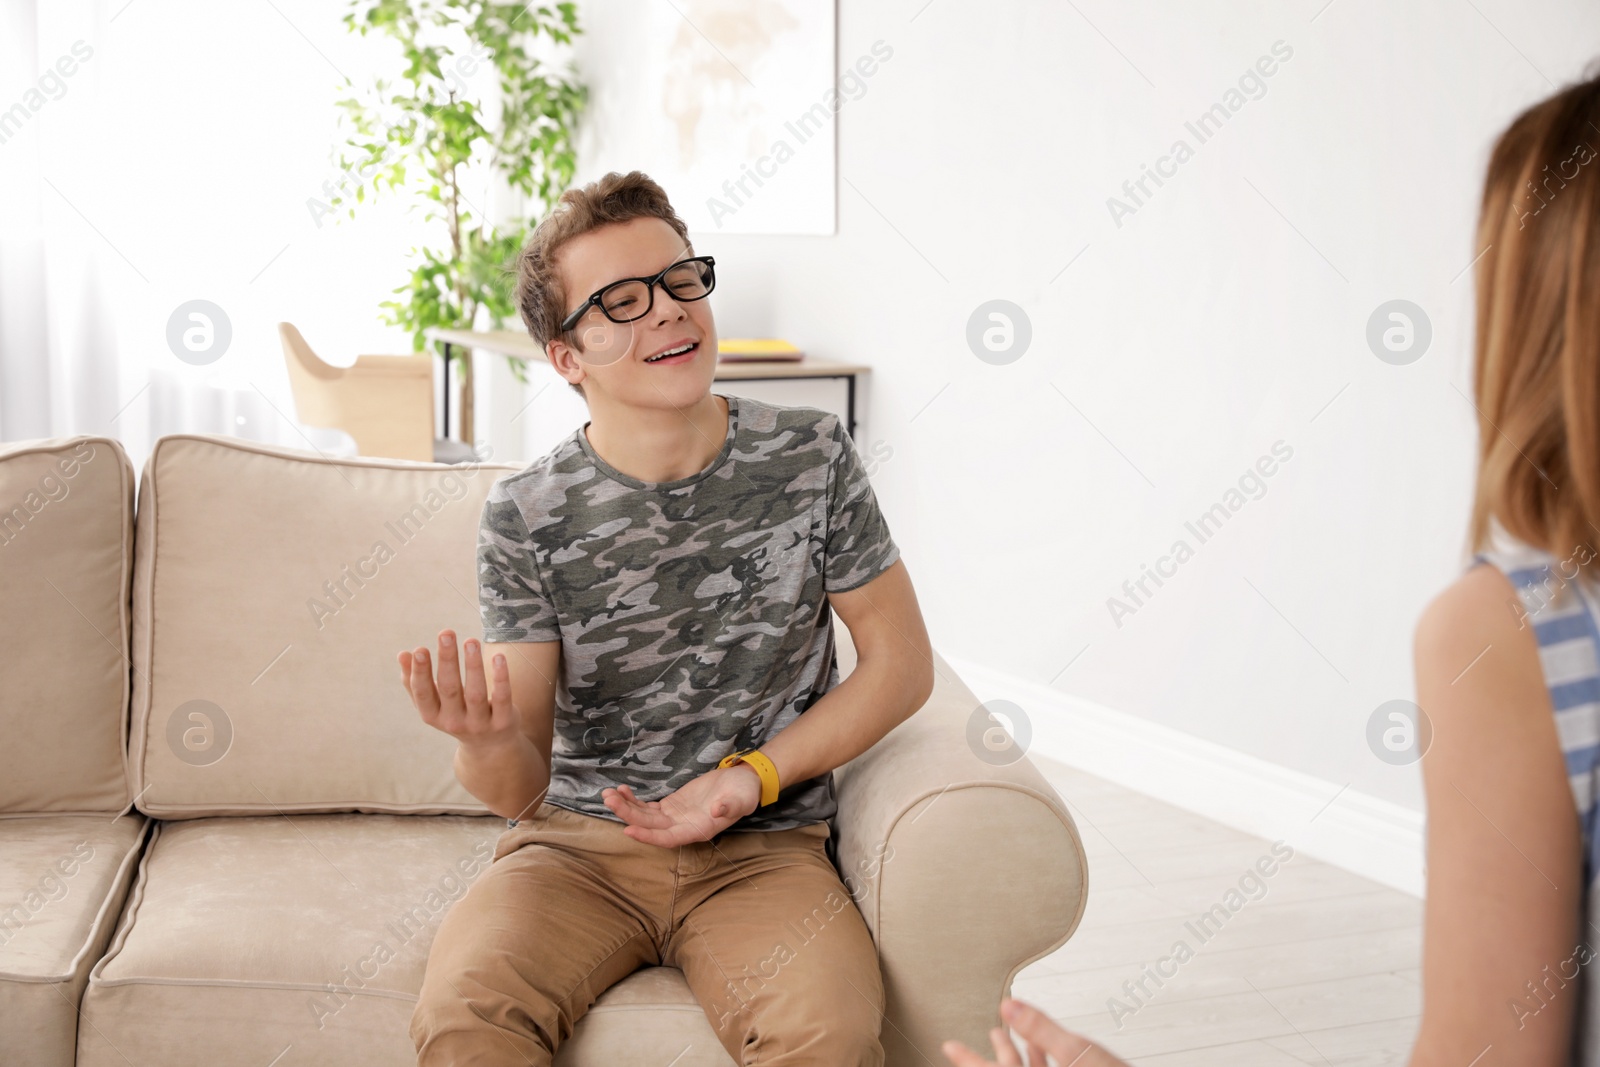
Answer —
(759, 923)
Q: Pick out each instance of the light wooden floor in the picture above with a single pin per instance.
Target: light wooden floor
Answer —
(1318, 967)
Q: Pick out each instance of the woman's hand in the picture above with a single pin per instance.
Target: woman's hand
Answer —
(1044, 1039)
(699, 811)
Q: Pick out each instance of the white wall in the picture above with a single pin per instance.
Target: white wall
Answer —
(1220, 318)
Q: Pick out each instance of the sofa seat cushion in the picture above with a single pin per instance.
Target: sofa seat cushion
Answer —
(648, 1019)
(63, 879)
(246, 937)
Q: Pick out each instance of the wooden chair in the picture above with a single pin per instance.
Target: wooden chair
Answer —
(384, 402)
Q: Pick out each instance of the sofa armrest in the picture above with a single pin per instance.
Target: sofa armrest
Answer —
(965, 871)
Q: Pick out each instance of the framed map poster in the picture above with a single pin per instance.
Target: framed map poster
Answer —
(729, 105)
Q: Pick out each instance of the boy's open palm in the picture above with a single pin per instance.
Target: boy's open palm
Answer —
(465, 709)
(700, 810)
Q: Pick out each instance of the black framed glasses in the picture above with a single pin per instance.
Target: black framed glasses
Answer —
(632, 298)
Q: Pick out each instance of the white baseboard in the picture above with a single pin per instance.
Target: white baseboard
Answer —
(1374, 838)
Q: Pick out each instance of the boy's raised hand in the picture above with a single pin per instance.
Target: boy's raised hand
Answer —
(700, 810)
(467, 710)
(1048, 1044)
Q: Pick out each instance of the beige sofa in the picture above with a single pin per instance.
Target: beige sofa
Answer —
(226, 838)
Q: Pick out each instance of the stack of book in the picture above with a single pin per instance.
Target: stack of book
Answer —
(756, 349)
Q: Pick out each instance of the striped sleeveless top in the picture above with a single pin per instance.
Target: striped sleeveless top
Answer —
(1565, 616)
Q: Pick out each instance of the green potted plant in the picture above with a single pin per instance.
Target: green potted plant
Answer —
(417, 135)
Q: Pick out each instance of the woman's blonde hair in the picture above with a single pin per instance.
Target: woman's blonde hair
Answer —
(1537, 346)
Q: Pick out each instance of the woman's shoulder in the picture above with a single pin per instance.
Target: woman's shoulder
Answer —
(1481, 605)
(1497, 595)
(1478, 664)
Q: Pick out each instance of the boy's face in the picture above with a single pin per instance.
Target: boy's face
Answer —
(609, 357)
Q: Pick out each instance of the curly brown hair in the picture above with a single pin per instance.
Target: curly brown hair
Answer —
(614, 198)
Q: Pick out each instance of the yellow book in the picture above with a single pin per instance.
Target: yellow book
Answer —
(756, 348)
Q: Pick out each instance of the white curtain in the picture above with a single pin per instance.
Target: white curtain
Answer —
(156, 152)
(59, 367)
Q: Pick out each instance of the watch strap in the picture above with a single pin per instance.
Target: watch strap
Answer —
(762, 766)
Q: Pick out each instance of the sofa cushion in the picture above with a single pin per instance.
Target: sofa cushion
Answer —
(63, 879)
(248, 937)
(272, 590)
(66, 554)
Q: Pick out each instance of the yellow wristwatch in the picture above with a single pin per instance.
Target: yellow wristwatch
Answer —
(763, 766)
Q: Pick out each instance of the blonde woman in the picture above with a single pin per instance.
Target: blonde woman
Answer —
(1508, 656)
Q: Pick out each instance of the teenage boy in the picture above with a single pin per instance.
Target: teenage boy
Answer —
(665, 709)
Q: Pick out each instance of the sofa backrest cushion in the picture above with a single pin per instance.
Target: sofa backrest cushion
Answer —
(66, 556)
(273, 589)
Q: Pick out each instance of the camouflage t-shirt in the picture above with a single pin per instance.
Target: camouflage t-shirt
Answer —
(692, 614)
